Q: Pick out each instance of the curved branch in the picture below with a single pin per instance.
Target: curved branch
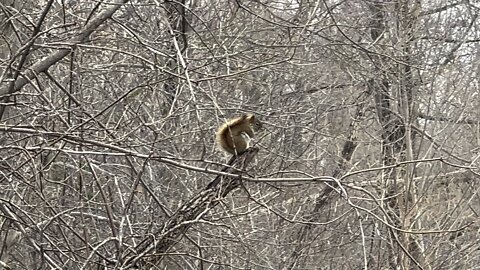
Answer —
(44, 64)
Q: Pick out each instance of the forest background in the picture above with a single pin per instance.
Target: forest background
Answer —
(369, 157)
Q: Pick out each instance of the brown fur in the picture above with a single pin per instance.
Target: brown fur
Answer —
(231, 135)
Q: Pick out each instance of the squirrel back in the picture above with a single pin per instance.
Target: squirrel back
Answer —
(235, 134)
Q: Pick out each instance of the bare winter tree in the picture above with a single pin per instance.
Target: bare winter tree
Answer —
(369, 157)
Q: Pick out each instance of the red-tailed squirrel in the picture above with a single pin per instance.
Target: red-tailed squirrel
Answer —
(235, 134)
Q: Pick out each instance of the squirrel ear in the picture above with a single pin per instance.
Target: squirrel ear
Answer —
(250, 117)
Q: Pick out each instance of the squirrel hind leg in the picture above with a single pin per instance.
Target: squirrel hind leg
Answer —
(241, 143)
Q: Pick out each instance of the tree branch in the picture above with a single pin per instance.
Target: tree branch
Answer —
(44, 64)
(187, 215)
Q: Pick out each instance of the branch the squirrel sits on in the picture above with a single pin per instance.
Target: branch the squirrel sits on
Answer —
(234, 136)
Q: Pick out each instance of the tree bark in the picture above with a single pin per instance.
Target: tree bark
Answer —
(187, 215)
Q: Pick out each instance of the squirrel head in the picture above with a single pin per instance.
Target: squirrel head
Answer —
(254, 122)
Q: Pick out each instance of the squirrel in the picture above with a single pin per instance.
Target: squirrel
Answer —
(234, 136)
